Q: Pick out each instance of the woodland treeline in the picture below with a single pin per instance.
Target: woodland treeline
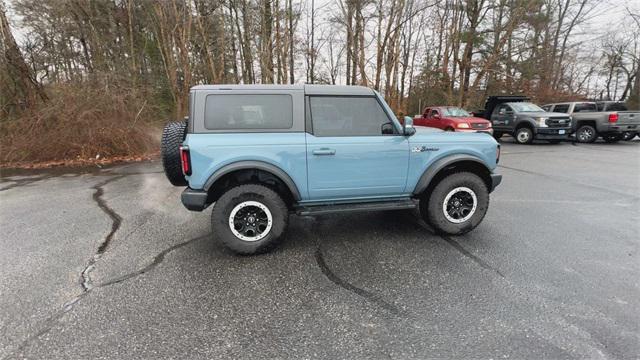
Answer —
(142, 56)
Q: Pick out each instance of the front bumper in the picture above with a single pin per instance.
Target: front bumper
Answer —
(496, 179)
(552, 133)
(486, 131)
(194, 200)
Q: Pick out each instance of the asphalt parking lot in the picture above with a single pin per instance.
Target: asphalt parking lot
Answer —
(106, 263)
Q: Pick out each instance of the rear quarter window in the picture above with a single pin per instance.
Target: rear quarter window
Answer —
(585, 107)
(615, 107)
(248, 112)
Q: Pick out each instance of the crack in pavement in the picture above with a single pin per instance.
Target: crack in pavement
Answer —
(48, 323)
(116, 220)
(468, 254)
(367, 295)
(85, 282)
(23, 182)
(456, 245)
(157, 260)
(331, 276)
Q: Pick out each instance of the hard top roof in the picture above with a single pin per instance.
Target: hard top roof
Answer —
(307, 88)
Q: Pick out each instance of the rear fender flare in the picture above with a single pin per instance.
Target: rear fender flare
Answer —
(251, 164)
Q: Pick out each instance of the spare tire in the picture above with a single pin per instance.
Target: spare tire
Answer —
(172, 137)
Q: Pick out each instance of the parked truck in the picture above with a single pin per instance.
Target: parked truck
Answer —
(451, 118)
(525, 121)
(609, 120)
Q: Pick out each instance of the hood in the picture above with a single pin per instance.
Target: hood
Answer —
(470, 119)
(428, 134)
(542, 114)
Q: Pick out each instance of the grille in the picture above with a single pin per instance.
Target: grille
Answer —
(481, 125)
(559, 122)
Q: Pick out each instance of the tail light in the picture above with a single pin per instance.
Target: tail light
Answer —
(185, 159)
(613, 117)
(498, 154)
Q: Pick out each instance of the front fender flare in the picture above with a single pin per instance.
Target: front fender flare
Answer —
(252, 164)
(440, 164)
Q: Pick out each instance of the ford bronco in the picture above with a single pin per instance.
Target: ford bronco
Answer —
(258, 153)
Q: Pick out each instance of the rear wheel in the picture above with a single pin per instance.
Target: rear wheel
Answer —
(524, 135)
(586, 134)
(628, 135)
(612, 138)
(172, 137)
(249, 219)
(457, 204)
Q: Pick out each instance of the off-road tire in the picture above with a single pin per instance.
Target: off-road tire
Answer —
(222, 209)
(431, 206)
(612, 138)
(586, 134)
(520, 133)
(629, 135)
(172, 137)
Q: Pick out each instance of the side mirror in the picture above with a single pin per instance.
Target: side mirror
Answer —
(408, 128)
(387, 129)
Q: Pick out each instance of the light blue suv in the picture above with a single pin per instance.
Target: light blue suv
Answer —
(261, 152)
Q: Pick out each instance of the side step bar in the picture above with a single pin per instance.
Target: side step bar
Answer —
(367, 206)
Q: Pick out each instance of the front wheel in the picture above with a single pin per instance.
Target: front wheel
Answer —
(524, 135)
(586, 134)
(249, 219)
(497, 134)
(457, 204)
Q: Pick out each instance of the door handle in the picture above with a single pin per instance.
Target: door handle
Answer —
(324, 151)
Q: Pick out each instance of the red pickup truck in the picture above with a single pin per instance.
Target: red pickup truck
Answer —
(451, 118)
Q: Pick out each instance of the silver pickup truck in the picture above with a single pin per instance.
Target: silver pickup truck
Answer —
(610, 120)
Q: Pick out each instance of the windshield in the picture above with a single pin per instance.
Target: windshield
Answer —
(525, 107)
(455, 112)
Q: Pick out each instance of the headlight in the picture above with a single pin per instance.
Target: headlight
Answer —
(463, 126)
(541, 121)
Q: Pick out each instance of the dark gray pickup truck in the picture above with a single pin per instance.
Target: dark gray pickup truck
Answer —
(525, 121)
(608, 119)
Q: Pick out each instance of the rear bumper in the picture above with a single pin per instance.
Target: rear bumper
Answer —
(496, 179)
(619, 128)
(194, 200)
